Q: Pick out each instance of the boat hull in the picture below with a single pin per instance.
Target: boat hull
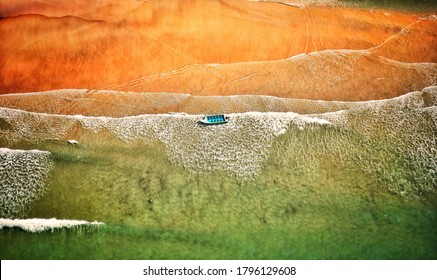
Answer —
(213, 120)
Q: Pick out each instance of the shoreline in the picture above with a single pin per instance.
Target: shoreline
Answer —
(94, 103)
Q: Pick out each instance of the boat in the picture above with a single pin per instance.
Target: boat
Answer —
(213, 119)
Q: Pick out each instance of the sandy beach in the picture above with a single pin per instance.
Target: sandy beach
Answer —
(216, 48)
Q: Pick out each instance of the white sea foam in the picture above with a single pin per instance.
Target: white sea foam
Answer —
(38, 225)
(239, 147)
(406, 124)
(207, 148)
(14, 151)
(195, 147)
(23, 176)
(302, 121)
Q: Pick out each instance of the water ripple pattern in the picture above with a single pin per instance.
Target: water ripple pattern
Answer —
(239, 147)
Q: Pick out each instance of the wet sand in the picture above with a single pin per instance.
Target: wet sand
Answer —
(122, 104)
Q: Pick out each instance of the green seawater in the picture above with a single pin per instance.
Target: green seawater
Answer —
(398, 233)
(323, 193)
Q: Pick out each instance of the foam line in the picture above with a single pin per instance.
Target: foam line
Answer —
(38, 225)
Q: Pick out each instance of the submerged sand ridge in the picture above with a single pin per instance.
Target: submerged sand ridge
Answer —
(214, 48)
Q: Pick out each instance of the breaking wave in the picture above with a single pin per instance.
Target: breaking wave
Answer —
(38, 225)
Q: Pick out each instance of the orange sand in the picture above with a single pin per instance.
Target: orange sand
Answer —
(121, 104)
(155, 46)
